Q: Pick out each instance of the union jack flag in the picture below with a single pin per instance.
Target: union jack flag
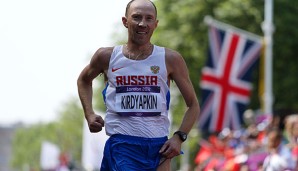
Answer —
(226, 78)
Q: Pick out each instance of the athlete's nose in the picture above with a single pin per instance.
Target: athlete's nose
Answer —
(142, 23)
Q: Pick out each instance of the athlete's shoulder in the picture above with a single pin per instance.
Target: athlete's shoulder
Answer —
(174, 61)
(104, 51)
(172, 54)
(102, 57)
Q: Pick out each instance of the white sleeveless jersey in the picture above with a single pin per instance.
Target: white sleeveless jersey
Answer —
(137, 95)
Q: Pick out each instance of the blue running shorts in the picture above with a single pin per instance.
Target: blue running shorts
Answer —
(131, 153)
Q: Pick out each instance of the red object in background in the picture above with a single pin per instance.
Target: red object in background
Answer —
(231, 165)
(212, 164)
(295, 151)
(204, 153)
(64, 159)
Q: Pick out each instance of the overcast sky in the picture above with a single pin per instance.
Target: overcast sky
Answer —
(44, 44)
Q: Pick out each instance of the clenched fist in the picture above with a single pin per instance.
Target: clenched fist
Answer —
(95, 122)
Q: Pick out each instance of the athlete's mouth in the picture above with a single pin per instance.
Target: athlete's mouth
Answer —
(141, 32)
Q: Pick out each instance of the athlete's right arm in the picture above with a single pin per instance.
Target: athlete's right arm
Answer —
(99, 64)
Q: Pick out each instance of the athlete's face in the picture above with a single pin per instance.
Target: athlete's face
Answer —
(141, 21)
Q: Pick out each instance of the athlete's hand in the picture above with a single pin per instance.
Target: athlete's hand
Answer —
(95, 122)
(171, 148)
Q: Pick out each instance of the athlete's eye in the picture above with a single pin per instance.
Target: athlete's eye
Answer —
(137, 17)
(149, 18)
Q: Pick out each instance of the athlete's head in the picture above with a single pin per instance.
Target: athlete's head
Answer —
(140, 20)
(130, 2)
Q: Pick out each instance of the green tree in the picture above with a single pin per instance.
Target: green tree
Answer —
(27, 144)
(181, 27)
(69, 129)
(285, 59)
(66, 132)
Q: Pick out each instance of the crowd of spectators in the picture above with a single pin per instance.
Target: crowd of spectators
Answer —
(261, 146)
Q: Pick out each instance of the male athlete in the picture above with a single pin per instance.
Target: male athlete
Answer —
(137, 96)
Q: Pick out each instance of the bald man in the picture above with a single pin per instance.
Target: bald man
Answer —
(137, 96)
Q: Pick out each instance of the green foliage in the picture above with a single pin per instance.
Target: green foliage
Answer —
(181, 27)
(66, 132)
(70, 128)
(27, 145)
(285, 70)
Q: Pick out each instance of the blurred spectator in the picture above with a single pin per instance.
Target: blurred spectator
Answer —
(258, 147)
(291, 131)
(291, 135)
(255, 146)
(279, 156)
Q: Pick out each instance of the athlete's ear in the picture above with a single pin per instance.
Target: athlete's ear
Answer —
(124, 21)
(156, 23)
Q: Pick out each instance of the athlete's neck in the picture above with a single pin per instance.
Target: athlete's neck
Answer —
(137, 52)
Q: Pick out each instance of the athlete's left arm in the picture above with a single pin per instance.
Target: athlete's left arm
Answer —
(178, 71)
